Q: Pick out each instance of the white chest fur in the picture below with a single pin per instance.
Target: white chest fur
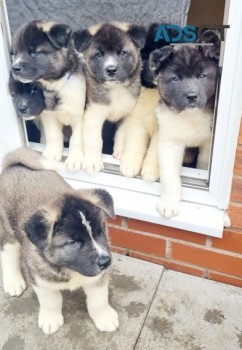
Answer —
(122, 103)
(189, 127)
(71, 92)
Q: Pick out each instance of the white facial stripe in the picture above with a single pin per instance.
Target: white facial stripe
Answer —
(89, 230)
(17, 59)
(110, 61)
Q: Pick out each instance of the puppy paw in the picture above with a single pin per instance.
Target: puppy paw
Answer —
(129, 169)
(92, 165)
(74, 161)
(106, 320)
(117, 154)
(150, 174)
(52, 153)
(14, 285)
(50, 322)
(168, 206)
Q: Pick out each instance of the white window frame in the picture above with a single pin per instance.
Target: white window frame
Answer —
(202, 210)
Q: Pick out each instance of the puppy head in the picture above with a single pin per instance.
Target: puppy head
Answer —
(72, 234)
(42, 50)
(186, 75)
(28, 98)
(111, 51)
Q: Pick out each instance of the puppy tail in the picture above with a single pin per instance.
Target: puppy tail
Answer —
(30, 159)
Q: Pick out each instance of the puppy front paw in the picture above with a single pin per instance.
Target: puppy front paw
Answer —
(92, 165)
(74, 161)
(168, 206)
(130, 169)
(106, 320)
(14, 285)
(50, 322)
(150, 173)
(52, 153)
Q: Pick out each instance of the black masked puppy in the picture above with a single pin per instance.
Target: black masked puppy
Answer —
(44, 52)
(112, 65)
(28, 98)
(61, 236)
(186, 77)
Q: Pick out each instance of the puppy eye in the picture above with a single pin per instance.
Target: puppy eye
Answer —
(33, 90)
(99, 54)
(202, 76)
(73, 243)
(176, 78)
(123, 53)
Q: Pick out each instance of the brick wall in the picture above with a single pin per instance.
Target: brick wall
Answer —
(196, 254)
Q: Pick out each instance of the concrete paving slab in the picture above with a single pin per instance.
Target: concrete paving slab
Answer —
(191, 313)
(132, 287)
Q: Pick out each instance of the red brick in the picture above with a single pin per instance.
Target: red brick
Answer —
(231, 241)
(136, 241)
(119, 250)
(225, 279)
(235, 214)
(238, 161)
(236, 193)
(117, 221)
(207, 258)
(168, 264)
(166, 231)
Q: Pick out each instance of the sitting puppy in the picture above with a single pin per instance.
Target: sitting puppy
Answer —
(44, 52)
(61, 236)
(186, 78)
(111, 53)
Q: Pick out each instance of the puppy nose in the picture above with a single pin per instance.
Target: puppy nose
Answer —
(22, 108)
(191, 96)
(104, 261)
(111, 70)
(16, 67)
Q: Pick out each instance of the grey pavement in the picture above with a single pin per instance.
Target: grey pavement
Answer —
(158, 310)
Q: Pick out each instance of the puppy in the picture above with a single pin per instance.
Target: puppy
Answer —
(44, 52)
(60, 234)
(28, 98)
(186, 78)
(111, 52)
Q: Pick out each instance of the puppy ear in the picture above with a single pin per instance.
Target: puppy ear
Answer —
(210, 51)
(59, 35)
(39, 227)
(101, 198)
(159, 57)
(137, 34)
(82, 39)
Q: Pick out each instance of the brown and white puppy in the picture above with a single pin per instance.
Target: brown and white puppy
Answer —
(186, 78)
(44, 51)
(111, 53)
(59, 234)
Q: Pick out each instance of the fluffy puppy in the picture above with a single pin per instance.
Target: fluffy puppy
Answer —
(111, 53)
(186, 77)
(60, 234)
(44, 52)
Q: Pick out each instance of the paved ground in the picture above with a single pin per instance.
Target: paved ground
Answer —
(159, 310)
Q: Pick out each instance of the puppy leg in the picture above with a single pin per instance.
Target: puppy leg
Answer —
(150, 168)
(103, 315)
(203, 155)
(119, 140)
(13, 281)
(170, 161)
(50, 313)
(92, 137)
(75, 157)
(135, 147)
(54, 137)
